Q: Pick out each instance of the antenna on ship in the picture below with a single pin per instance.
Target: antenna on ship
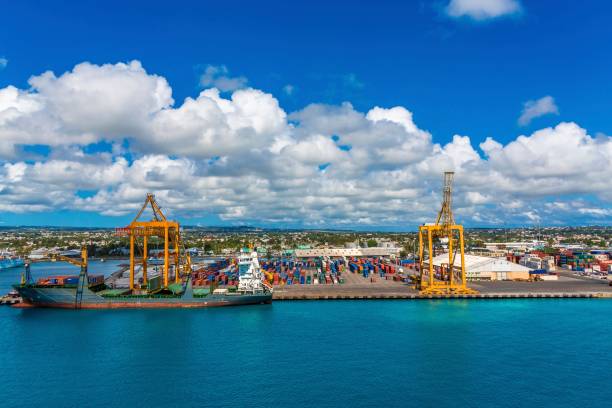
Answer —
(26, 277)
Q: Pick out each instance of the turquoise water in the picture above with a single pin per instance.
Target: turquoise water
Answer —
(502, 353)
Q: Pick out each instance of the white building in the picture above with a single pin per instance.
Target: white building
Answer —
(535, 262)
(316, 252)
(521, 246)
(40, 253)
(485, 268)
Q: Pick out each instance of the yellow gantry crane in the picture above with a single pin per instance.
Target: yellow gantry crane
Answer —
(448, 278)
(159, 227)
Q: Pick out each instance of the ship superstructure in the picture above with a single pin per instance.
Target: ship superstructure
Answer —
(10, 260)
(251, 278)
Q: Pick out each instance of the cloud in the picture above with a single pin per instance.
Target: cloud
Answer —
(241, 157)
(3, 63)
(534, 109)
(216, 76)
(288, 89)
(88, 104)
(213, 126)
(399, 115)
(350, 80)
(560, 152)
(482, 9)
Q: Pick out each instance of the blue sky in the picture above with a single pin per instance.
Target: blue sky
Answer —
(457, 75)
(474, 75)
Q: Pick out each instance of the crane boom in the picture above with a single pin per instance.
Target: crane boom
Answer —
(81, 263)
(445, 215)
(156, 209)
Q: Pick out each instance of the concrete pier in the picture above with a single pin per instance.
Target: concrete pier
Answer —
(280, 296)
(358, 287)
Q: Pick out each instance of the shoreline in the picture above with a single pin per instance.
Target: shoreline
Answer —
(296, 297)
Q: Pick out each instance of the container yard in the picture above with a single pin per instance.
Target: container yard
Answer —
(285, 274)
(383, 278)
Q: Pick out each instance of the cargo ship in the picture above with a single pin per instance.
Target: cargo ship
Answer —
(171, 288)
(8, 261)
(89, 291)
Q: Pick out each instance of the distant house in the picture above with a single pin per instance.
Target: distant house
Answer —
(39, 253)
(71, 252)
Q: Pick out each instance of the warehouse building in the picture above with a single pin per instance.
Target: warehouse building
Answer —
(521, 246)
(485, 268)
(346, 252)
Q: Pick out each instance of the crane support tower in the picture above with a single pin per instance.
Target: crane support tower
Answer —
(448, 278)
(141, 231)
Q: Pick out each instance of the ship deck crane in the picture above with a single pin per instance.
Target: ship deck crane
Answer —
(74, 261)
(448, 278)
(83, 278)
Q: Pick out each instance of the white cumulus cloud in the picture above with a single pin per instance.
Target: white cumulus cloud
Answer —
(217, 76)
(243, 158)
(536, 108)
(482, 9)
(288, 89)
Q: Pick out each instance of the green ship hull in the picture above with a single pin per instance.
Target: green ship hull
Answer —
(68, 297)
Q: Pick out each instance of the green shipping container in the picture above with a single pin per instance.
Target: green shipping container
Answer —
(176, 288)
(154, 284)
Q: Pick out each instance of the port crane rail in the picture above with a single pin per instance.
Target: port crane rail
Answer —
(448, 279)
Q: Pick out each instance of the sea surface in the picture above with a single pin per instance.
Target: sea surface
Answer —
(429, 353)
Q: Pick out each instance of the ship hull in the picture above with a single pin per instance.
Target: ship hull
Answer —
(65, 298)
(11, 263)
